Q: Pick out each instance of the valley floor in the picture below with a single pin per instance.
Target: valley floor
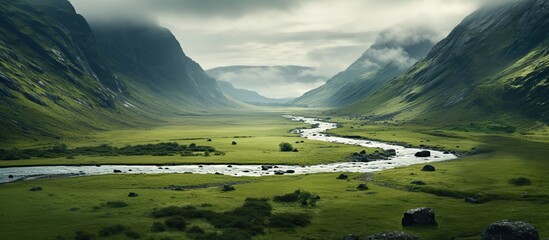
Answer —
(65, 206)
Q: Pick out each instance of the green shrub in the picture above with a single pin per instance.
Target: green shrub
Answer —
(195, 229)
(158, 227)
(285, 147)
(303, 197)
(81, 235)
(520, 181)
(176, 222)
(116, 204)
(112, 230)
(132, 235)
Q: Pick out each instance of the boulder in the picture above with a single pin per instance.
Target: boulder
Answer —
(391, 152)
(391, 236)
(279, 172)
(233, 143)
(424, 153)
(419, 217)
(428, 168)
(266, 167)
(363, 152)
(229, 166)
(295, 150)
(117, 171)
(227, 188)
(343, 176)
(506, 230)
(290, 171)
(209, 140)
(35, 189)
(350, 237)
(10, 176)
(362, 186)
(133, 194)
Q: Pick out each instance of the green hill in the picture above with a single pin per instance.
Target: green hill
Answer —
(59, 77)
(393, 53)
(492, 66)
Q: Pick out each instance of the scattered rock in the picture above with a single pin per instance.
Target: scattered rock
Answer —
(472, 200)
(417, 182)
(362, 186)
(350, 237)
(295, 150)
(391, 152)
(266, 167)
(506, 230)
(419, 217)
(424, 153)
(10, 176)
(290, 171)
(428, 168)
(227, 188)
(301, 141)
(132, 194)
(363, 152)
(391, 236)
(446, 152)
(246, 171)
(233, 143)
(343, 176)
(35, 189)
(209, 140)
(229, 166)
(218, 173)
(117, 171)
(279, 172)
(98, 165)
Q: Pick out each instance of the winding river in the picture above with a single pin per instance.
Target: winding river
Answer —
(404, 157)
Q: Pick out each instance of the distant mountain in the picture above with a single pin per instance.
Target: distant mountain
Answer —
(59, 77)
(493, 65)
(393, 53)
(247, 96)
(269, 79)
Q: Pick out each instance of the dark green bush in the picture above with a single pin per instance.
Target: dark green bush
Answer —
(285, 147)
(81, 235)
(176, 222)
(116, 204)
(520, 181)
(132, 235)
(303, 197)
(195, 229)
(112, 230)
(158, 227)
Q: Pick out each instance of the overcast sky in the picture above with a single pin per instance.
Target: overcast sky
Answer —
(326, 34)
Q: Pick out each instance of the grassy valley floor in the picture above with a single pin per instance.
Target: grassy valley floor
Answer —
(65, 206)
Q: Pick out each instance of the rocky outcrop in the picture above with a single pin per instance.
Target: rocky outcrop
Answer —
(507, 230)
(419, 217)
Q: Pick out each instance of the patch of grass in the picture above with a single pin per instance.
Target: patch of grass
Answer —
(520, 181)
(116, 204)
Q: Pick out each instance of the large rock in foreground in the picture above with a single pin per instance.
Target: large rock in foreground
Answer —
(391, 236)
(419, 217)
(505, 230)
(424, 153)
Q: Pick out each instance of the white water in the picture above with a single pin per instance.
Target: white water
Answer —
(404, 157)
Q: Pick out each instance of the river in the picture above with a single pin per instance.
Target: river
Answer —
(404, 157)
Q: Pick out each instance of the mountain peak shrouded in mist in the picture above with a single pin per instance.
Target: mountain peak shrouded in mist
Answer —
(494, 63)
(393, 52)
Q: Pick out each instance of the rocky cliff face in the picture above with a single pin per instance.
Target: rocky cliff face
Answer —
(393, 53)
(494, 63)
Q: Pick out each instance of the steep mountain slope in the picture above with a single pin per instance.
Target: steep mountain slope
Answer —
(392, 54)
(248, 96)
(55, 80)
(289, 80)
(494, 65)
(151, 59)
